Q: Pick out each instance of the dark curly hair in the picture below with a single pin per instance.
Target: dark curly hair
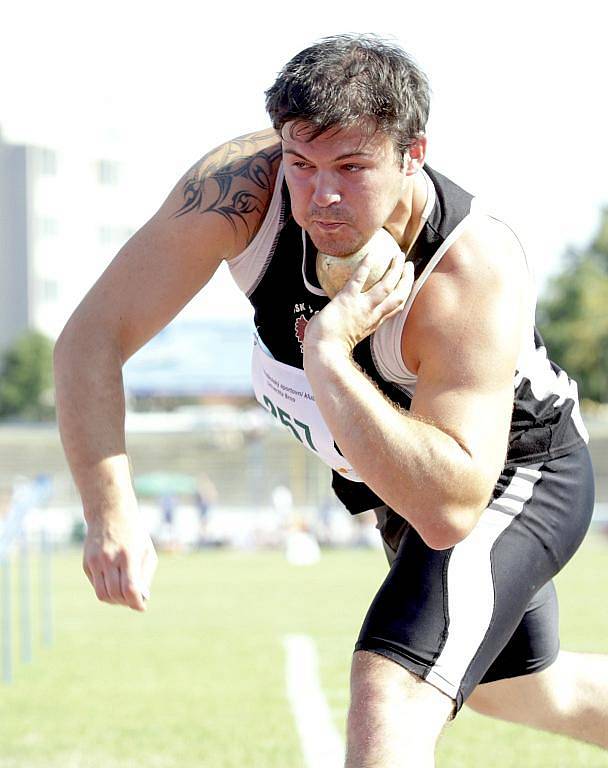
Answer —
(345, 79)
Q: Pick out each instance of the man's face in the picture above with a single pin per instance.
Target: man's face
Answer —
(344, 185)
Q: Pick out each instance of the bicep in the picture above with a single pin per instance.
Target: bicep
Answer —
(468, 358)
(475, 410)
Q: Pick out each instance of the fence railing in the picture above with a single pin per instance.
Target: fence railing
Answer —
(18, 542)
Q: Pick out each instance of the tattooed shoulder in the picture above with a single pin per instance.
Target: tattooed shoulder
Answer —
(234, 181)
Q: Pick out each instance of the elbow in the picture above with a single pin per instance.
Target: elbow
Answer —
(65, 364)
(447, 523)
(85, 339)
(68, 337)
(60, 351)
(445, 528)
(80, 353)
(65, 348)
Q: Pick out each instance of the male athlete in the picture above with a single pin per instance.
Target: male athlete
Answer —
(430, 396)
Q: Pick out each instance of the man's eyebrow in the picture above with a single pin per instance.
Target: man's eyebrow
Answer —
(360, 153)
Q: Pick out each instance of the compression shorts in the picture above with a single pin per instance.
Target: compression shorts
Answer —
(485, 609)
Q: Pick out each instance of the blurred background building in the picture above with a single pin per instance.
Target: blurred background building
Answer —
(56, 206)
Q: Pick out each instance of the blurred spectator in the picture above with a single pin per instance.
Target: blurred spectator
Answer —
(204, 498)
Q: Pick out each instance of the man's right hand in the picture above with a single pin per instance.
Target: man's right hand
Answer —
(120, 560)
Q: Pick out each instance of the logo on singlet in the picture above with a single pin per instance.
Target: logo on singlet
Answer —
(300, 329)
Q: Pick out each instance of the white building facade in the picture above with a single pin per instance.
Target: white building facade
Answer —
(63, 216)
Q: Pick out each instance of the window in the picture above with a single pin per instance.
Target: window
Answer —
(47, 162)
(108, 172)
(49, 290)
(46, 227)
(114, 236)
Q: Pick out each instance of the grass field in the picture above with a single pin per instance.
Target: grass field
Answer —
(199, 680)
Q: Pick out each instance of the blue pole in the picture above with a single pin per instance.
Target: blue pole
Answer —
(46, 594)
(7, 656)
(25, 607)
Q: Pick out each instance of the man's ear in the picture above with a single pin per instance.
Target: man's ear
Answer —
(413, 159)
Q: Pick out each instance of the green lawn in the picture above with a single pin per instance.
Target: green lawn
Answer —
(199, 679)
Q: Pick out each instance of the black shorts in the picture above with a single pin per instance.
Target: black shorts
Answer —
(485, 609)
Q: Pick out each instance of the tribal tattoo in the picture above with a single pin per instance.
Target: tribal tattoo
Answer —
(214, 178)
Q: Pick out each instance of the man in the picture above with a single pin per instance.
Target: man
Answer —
(428, 394)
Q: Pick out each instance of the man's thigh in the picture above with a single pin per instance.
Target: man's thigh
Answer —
(522, 699)
(447, 615)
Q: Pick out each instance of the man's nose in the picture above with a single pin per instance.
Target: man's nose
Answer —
(326, 191)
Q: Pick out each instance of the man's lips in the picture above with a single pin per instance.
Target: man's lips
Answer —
(329, 225)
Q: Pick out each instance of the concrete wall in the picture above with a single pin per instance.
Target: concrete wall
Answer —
(244, 470)
(14, 243)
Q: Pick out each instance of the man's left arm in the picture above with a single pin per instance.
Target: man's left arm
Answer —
(437, 464)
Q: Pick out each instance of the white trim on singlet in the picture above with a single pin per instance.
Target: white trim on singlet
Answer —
(248, 268)
(309, 286)
(386, 342)
(431, 198)
(534, 365)
(470, 586)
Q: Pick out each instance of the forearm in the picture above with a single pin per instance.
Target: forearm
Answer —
(90, 413)
(424, 474)
(119, 558)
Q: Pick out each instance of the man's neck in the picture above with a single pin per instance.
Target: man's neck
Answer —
(404, 222)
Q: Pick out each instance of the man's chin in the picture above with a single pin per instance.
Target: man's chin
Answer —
(329, 246)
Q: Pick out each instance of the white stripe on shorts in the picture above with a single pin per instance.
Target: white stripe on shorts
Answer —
(470, 585)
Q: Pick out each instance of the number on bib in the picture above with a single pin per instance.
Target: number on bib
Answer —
(286, 420)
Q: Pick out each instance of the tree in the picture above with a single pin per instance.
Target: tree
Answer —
(26, 377)
(573, 316)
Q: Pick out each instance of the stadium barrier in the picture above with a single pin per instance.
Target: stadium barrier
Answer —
(18, 542)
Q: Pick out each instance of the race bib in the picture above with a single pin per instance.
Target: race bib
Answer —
(284, 391)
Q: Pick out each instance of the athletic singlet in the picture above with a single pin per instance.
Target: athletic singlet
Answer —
(277, 273)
